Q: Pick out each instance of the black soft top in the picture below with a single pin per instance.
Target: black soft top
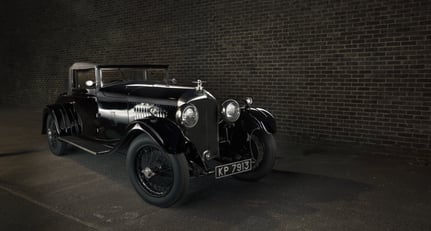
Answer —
(84, 66)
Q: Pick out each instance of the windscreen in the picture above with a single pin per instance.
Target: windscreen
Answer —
(120, 75)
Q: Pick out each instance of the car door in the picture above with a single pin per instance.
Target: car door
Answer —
(83, 92)
(112, 104)
(113, 112)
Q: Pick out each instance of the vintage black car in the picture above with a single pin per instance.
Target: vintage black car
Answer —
(170, 133)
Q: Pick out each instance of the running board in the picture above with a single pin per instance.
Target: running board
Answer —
(86, 145)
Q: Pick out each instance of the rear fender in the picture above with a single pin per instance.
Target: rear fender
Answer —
(66, 119)
(164, 132)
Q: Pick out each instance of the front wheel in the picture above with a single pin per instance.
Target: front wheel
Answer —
(262, 149)
(160, 178)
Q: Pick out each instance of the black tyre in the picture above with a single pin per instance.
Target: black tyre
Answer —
(263, 150)
(56, 146)
(160, 178)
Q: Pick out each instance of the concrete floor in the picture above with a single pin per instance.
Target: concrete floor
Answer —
(316, 191)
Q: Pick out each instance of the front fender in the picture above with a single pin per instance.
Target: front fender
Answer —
(252, 119)
(166, 133)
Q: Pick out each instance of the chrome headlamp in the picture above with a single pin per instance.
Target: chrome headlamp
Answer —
(230, 110)
(188, 116)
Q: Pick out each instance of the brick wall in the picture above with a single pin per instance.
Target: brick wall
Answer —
(335, 72)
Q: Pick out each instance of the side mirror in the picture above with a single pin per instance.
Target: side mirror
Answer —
(173, 81)
(89, 83)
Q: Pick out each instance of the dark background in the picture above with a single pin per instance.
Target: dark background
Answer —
(344, 73)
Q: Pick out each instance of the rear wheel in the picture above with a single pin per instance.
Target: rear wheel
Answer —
(56, 146)
(160, 178)
(263, 150)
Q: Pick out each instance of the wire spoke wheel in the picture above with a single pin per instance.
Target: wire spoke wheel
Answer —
(56, 146)
(154, 170)
(257, 151)
(262, 150)
(160, 178)
(52, 135)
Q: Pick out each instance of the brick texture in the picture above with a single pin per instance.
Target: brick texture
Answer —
(336, 72)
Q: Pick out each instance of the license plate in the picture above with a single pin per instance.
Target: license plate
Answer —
(232, 168)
